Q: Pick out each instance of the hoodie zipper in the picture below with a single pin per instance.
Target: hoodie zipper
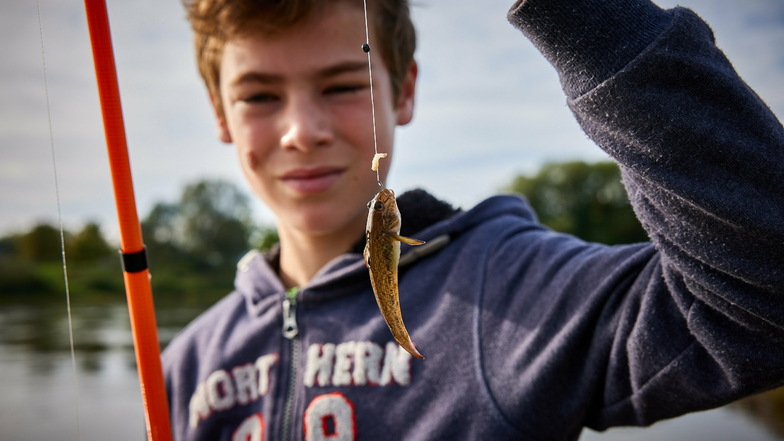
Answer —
(290, 331)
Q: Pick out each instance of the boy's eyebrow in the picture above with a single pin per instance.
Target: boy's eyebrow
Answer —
(331, 71)
(257, 77)
(344, 67)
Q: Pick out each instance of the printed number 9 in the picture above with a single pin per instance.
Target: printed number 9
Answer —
(330, 417)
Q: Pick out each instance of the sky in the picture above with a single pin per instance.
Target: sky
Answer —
(488, 105)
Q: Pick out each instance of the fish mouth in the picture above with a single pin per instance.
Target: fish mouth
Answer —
(310, 180)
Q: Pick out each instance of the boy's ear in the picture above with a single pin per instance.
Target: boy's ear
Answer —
(405, 100)
(222, 129)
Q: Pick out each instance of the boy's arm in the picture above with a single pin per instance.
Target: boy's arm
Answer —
(703, 160)
(702, 156)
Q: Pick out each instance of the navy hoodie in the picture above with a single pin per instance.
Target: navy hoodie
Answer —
(530, 334)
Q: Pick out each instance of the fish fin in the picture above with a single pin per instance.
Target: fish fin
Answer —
(405, 239)
(366, 251)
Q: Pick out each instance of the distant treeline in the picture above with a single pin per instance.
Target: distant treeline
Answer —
(194, 243)
(587, 200)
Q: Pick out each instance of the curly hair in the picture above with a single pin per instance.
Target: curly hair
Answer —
(214, 22)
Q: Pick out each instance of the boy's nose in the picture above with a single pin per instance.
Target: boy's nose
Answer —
(307, 126)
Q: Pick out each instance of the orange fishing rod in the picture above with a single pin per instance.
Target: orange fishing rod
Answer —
(135, 271)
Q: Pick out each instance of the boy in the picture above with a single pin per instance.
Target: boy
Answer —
(528, 334)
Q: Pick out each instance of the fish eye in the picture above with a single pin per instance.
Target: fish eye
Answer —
(379, 206)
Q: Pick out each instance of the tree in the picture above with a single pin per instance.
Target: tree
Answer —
(161, 232)
(89, 244)
(161, 224)
(194, 244)
(216, 221)
(265, 237)
(9, 246)
(41, 244)
(18, 276)
(586, 200)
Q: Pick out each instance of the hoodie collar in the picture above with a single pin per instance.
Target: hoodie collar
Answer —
(424, 217)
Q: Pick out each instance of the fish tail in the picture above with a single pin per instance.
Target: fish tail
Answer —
(409, 346)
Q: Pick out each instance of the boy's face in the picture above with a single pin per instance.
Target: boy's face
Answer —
(297, 108)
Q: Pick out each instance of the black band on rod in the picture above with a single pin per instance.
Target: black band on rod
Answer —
(134, 262)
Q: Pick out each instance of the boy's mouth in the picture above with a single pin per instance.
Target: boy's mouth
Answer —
(309, 180)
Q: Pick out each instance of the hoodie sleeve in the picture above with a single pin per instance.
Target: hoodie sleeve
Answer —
(699, 321)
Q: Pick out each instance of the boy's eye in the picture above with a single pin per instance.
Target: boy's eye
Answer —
(345, 88)
(259, 98)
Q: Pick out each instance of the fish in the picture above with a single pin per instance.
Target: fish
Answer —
(382, 255)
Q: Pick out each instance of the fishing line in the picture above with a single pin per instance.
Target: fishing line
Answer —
(60, 224)
(366, 49)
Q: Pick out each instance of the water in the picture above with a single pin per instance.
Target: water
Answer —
(39, 396)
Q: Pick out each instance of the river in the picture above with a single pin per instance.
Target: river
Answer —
(43, 398)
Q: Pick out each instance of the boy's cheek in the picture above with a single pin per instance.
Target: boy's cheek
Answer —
(251, 160)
